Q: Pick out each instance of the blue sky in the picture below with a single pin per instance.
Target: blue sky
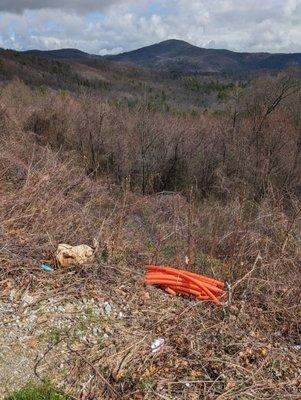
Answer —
(112, 26)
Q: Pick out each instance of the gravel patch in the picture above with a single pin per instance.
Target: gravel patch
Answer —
(29, 327)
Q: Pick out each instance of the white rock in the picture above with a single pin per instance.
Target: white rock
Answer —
(157, 345)
(12, 295)
(27, 300)
(107, 308)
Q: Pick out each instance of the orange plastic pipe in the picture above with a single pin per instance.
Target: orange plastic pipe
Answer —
(176, 287)
(165, 275)
(179, 283)
(197, 276)
(193, 275)
(191, 279)
(170, 291)
(159, 276)
(191, 292)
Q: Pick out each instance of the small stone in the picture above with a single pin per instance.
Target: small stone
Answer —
(12, 295)
(107, 308)
(157, 345)
(27, 300)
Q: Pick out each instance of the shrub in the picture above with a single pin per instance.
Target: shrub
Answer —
(36, 392)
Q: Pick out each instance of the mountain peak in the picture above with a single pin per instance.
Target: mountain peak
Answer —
(174, 42)
(182, 57)
(168, 44)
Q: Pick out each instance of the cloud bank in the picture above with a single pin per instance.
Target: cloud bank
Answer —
(108, 26)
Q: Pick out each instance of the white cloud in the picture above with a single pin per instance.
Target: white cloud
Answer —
(256, 25)
(115, 50)
(104, 27)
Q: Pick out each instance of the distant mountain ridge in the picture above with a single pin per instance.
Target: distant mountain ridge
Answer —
(67, 54)
(179, 56)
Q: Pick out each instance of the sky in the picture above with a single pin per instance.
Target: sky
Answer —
(114, 26)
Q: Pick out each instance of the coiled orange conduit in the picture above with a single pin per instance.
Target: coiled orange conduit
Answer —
(176, 281)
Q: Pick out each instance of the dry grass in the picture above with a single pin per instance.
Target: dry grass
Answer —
(232, 352)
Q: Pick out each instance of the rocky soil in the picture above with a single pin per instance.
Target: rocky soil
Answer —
(29, 328)
(106, 348)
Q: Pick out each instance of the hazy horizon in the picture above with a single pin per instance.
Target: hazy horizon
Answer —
(151, 44)
(111, 27)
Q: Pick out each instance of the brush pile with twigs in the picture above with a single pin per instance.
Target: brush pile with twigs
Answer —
(51, 194)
